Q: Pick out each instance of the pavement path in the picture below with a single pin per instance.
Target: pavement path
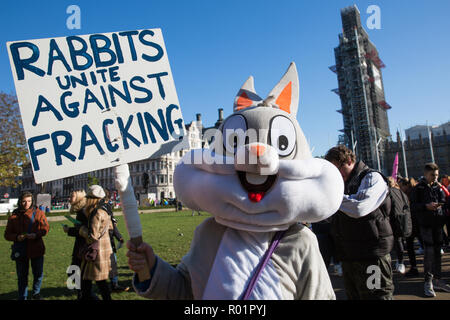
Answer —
(405, 288)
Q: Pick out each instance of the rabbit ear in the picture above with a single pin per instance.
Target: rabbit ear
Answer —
(246, 96)
(286, 92)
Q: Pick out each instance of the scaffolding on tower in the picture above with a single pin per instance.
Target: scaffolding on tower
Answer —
(373, 56)
(384, 104)
(335, 91)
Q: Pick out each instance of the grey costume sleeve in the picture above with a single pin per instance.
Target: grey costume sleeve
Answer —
(167, 283)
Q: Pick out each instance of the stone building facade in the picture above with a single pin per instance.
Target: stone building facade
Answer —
(418, 150)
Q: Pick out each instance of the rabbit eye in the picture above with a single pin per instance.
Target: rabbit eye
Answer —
(283, 135)
(234, 133)
(283, 143)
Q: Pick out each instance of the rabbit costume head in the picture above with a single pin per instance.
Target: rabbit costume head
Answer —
(259, 174)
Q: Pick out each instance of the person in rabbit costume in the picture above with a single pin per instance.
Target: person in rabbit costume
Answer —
(258, 181)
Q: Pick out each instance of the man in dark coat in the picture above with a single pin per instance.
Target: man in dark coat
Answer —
(428, 202)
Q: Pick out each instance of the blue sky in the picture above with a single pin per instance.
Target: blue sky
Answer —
(214, 45)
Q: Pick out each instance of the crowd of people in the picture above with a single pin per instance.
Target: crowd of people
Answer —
(94, 250)
(358, 237)
(362, 233)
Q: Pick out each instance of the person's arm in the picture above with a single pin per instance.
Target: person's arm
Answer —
(445, 190)
(370, 195)
(43, 226)
(73, 231)
(97, 227)
(442, 195)
(116, 233)
(10, 232)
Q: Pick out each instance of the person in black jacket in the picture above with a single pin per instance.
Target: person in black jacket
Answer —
(407, 185)
(322, 230)
(361, 229)
(107, 205)
(399, 199)
(77, 201)
(427, 201)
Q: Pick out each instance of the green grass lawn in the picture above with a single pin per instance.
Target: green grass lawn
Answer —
(55, 213)
(170, 235)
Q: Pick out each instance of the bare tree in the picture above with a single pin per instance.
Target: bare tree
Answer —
(13, 150)
(92, 180)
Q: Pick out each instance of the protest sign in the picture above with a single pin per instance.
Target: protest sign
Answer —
(95, 101)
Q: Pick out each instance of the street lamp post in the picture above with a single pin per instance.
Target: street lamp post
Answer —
(376, 148)
(354, 142)
(404, 155)
(378, 154)
(431, 143)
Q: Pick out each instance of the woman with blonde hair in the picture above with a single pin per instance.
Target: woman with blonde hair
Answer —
(406, 185)
(77, 200)
(96, 268)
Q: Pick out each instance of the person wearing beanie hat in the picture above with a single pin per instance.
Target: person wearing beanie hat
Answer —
(96, 191)
(99, 224)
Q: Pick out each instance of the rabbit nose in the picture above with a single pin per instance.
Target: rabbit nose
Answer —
(257, 149)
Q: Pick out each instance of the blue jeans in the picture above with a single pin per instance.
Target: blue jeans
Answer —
(22, 267)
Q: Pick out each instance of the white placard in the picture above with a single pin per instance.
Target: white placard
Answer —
(95, 101)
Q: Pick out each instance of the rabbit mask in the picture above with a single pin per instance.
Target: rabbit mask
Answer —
(259, 174)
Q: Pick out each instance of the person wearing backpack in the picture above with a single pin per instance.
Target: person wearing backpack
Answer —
(428, 201)
(400, 218)
(361, 228)
(26, 227)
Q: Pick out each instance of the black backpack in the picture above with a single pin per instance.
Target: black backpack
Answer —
(400, 215)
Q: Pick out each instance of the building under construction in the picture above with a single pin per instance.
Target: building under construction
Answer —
(360, 88)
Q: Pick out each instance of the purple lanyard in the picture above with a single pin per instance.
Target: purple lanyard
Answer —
(273, 245)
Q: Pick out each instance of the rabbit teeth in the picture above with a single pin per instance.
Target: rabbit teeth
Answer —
(255, 178)
(255, 183)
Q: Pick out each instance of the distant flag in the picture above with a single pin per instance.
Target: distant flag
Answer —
(395, 167)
